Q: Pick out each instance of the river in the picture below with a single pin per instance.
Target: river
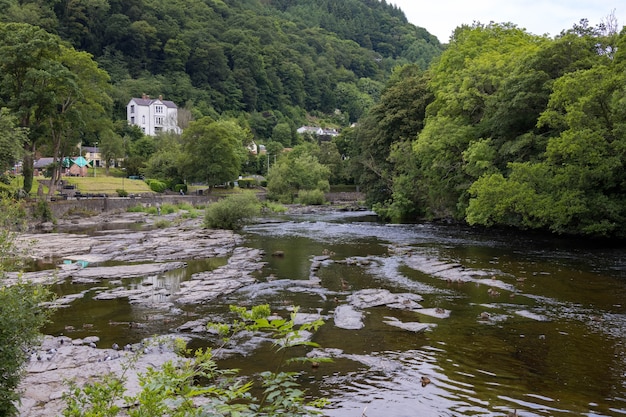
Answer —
(523, 321)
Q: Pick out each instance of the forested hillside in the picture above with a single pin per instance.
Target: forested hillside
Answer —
(248, 56)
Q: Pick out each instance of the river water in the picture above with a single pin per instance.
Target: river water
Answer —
(529, 323)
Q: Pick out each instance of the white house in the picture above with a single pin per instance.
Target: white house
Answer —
(318, 131)
(153, 115)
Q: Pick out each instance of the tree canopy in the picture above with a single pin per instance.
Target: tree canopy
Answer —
(516, 132)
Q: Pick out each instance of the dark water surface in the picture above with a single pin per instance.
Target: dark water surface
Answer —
(536, 324)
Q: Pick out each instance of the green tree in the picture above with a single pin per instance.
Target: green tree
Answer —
(213, 151)
(167, 162)
(81, 99)
(28, 58)
(12, 139)
(294, 172)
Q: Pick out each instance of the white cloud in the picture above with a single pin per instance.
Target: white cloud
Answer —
(441, 17)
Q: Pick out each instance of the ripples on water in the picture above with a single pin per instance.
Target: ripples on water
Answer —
(536, 324)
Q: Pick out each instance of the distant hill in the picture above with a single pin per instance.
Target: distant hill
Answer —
(288, 58)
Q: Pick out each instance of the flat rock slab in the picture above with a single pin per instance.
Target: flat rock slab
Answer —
(373, 297)
(409, 326)
(61, 359)
(347, 317)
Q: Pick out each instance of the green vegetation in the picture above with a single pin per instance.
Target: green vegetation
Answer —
(232, 212)
(173, 389)
(21, 314)
(504, 129)
(499, 128)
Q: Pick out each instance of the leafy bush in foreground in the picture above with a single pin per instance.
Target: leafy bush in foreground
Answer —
(196, 386)
(21, 311)
(232, 212)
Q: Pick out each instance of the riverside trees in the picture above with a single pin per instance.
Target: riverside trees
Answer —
(55, 92)
(521, 130)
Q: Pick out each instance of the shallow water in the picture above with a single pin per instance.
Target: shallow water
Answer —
(536, 324)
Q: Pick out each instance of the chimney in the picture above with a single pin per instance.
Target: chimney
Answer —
(160, 97)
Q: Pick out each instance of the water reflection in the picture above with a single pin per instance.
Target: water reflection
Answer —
(536, 324)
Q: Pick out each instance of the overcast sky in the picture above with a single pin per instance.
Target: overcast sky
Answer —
(440, 17)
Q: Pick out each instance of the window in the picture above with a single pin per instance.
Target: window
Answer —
(158, 109)
(143, 120)
(158, 120)
(132, 109)
(132, 120)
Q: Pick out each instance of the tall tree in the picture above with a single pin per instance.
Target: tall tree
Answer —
(214, 151)
(28, 59)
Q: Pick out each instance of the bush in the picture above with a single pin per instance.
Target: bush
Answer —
(195, 385)
(179, 187)
(121, 193)
(43, 211)
(21, 314)
(156, 185)
(247, 183)
(311, 197)
(232, 212)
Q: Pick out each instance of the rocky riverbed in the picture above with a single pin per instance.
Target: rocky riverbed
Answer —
(127, 251)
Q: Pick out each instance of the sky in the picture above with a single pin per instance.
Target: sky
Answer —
(441, 17)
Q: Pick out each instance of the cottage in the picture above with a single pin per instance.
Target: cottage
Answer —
(153, 116)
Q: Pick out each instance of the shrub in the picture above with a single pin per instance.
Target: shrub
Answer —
(136, 209)
(156, 185)
(43, 211)
(121, 193)
(311, 197)
(21, 315)
(232, 212)
(247, 183)
(196, 385)
(179, 187)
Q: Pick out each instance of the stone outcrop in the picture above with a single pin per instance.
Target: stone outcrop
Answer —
(60, 360)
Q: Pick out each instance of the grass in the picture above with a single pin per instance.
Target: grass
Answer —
(107, 185)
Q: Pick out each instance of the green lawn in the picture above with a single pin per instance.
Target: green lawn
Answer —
(107, 185)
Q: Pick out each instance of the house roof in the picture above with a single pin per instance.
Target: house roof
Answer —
(42, 162)
(149, 101)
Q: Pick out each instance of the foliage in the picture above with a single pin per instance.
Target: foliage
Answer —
(174, 388)
(12, 139)
(213, 151)
(298, 170)
(505, 128)
(156, 185)
(21, 314)
(42, 211)
(311, 197)
(53, 90)
(394, 121)
(247, 182)
(121, 193)
(232, 212)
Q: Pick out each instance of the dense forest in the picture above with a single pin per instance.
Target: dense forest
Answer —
(499, 127)
(231, 56)
(506, 128)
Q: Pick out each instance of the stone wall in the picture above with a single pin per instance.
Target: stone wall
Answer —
(100, 204)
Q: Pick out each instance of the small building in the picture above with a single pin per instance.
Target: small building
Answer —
(153, 116)
(92, 154)
(321, 133)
